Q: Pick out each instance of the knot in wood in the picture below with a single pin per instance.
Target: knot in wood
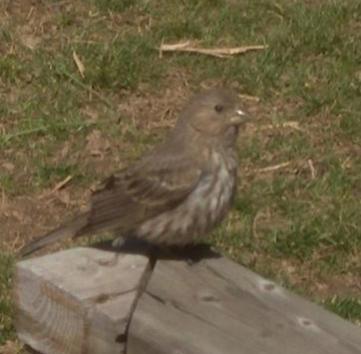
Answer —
(308, 324)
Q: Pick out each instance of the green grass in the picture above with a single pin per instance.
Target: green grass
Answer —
(301, 230)
(47, 174)
(346, 307)
(6, 325)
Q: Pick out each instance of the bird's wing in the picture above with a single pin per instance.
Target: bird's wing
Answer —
(149, 188)
(128, 198)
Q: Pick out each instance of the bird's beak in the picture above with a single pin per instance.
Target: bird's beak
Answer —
(239, 118)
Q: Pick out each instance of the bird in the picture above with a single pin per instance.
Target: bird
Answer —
(176, 193)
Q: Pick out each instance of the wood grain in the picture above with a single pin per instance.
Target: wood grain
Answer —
(217, 306)
(77, 301)
(91, 301)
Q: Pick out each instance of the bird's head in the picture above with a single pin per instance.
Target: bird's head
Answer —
(214, 113)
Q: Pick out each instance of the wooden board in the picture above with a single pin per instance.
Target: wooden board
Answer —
(77, 301)
(220, 307)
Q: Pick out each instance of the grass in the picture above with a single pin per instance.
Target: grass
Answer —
(299, 224)
(6, 327)
(347, 307)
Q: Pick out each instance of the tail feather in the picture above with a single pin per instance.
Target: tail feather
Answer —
(72, 229)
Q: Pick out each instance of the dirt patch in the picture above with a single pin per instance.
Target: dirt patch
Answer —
(32, 214)
(26, 217)
(11, 347)
(149, 109)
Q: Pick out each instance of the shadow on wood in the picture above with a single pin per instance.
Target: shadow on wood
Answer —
(192, 253)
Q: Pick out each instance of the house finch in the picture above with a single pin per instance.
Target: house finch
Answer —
(176, 193)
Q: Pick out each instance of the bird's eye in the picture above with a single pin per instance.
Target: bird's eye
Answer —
(218, 108)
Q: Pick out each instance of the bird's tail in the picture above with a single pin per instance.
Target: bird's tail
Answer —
(70, 230)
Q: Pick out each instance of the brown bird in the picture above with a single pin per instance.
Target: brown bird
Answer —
(176, 193)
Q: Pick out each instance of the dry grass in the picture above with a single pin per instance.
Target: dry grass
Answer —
(297, 215)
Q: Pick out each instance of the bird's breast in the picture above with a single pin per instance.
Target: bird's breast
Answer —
(204, 207)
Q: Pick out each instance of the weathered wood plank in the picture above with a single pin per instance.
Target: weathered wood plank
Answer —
(217, 306)
(77, 301)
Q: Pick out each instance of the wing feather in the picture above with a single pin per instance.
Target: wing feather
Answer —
(145, 190)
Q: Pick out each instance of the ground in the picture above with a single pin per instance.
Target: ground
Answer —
(297, 215)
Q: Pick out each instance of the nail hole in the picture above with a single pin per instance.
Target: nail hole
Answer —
(208, 297)
(306, 322)
(309, 324)
(269, 286)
